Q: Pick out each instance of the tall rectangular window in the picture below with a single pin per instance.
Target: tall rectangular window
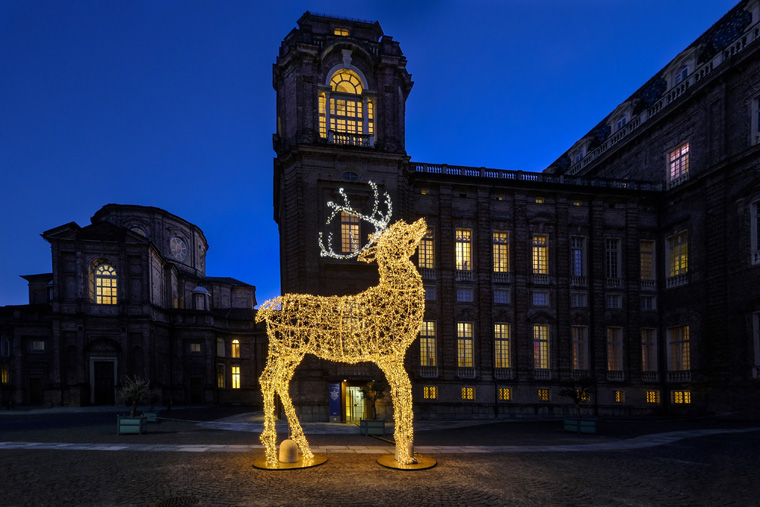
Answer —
(755, 232)
(236, 377)
(235, 348)
(613, 258)
(501, 346)
(463, 249)
(648, 350)
(580, 348)
(349, 232)
(678, 254)
(577, 256)
(678, 349)
(464, 344)
(220, 376)
(426, 257)
(646, 259)
(3, 374)
(540, 254)
(679, 164)
(220, 347)
(427, 343)
(500, 252)
(540, 346)
(614, 349)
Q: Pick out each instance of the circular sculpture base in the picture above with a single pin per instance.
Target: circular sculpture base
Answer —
(318, 459)
(423, 462)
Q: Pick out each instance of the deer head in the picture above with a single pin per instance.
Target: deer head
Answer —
(399, 241)
(378, 219)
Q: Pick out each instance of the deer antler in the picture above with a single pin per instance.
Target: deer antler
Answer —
(377, 218)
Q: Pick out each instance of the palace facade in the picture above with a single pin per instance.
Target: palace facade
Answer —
(630, 266)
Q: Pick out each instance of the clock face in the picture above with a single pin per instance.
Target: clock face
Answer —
(179, 249)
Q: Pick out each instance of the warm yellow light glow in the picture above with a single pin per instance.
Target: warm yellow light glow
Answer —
(105, 285)
(235, 348)
(463, 251)
(341, 32)
(377, 325)
(540, 255)
(236, 377)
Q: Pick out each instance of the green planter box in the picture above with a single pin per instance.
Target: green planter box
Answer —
(371, 427)
(580, 426)
(126, 425)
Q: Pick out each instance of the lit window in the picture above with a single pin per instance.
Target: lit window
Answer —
(468, 393)
(679, 164)
(463, 250)
(220, 347)
(540, 254)
(539, 200)
(646, 258)
(220, 376)
(540, 346)
(236, 377)
(580, 348)
(614, 301)
(3, 374)
(505, 394)
(648, 302)
(648, 350)
(614, 349)
(341, 32)
(653, 396)
(540, 299)
(430, 392)
(349, 232)
(682, 397)
(755, 232)
(235, 348)
(500, 252)
(343, 107)
(613, 258)
(578, 300)
(195, 347)
(679, 349)
(105, 285)
(464, 344)
(426, 255)
(501, 296)
(577, 203)
(38, 345)
(582, 395)
(501, 346)
(619, 396)
(427, 344)
(543, 394)
(678, 254)
(464, 295)
(577, 256)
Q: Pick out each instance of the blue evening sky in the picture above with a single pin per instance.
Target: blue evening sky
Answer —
(169, 103)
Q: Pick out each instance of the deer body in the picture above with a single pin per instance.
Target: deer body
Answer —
(377, 325)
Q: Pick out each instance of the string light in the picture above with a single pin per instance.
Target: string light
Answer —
(377, 325)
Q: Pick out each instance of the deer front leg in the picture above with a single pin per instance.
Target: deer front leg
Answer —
(401, 396)
(296, 431)
(269, 435)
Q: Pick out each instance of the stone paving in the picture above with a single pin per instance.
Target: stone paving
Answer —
(188, 462)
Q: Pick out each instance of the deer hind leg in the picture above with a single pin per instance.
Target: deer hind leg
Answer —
(268, 381)
(288, 369)
(401, 396)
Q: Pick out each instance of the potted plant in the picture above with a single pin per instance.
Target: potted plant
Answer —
(578, 392)
(133, 391)
(372, 393)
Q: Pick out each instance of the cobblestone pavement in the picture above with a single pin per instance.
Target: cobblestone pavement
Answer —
(690, 463)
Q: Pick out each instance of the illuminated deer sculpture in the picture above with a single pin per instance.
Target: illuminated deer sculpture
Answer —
(376, 325)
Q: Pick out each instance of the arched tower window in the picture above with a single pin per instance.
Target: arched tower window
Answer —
(105, 285)
(346, 114)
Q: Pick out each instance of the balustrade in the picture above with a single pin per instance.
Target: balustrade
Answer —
(542, 374)
(615, 376)
(679, 376)
(466, 372)
(503, 373)
(675, 281)
(650, 376)
(428, 371)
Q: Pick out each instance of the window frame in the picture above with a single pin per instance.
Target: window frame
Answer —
(502, 341)
(426, 250)
(500, 251)
(463, 249)
(235, 350)
(539, 254)
(580, 348)
(678, 164)
(613, 258)
(647, 259)
(615, 349)
(428, 344)
(541, 347)
(649, 350)
(465, 346)
(221, 376)
(679, 348)
(100, 287)
(236, 376)
(578, 256)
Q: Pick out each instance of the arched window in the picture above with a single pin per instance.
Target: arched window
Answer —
(235, 348)
(105, 285)
(346, 115)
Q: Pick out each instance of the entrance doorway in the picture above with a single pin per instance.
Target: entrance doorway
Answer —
(354, 404)
(104, 392)
(35, 390)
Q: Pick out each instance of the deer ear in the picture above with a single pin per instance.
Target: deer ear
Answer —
(367, 255)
